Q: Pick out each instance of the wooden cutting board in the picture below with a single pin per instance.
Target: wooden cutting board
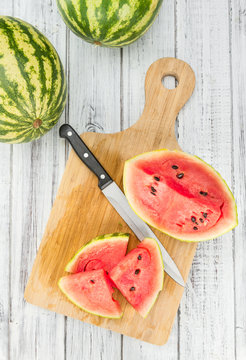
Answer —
(81, 212)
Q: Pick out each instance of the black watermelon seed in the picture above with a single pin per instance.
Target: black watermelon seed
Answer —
(156, 178)
(139, 257)
(137, 271)
(201, 220)
(92, 281)
(153, 189)
(205, 215)
(175, 167)
(204, 193)
(193, 219)
(132, 288)
(196, 223)
(195, 228)
(153, 193)
(107, 272)
(179, 176)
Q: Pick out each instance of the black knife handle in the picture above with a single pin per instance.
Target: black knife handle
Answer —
(67, 132)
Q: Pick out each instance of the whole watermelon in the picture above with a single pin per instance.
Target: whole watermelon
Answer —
(111, 23)
(32, 82)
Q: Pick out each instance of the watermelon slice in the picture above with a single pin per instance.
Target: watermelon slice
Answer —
(92, 292)
(103, 252)
(139, 276)
(180, 195)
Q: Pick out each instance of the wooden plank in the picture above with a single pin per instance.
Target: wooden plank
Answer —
(136, 349)
(194, 53)
(207, 308)
(5, 216)
(37, 168)
(70, 224)
(94, 87)
(94, 94)
(238, 58)
(5, 238)
(85, 341)
(159, 41)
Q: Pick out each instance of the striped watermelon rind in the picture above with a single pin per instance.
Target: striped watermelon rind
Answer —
(33, 88)
(109, 23)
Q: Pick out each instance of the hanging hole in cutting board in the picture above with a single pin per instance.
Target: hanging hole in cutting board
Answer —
(169, 82)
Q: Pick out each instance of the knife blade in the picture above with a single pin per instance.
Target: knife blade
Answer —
(117, 199)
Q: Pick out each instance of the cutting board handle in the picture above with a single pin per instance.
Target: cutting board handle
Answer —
(163, 104)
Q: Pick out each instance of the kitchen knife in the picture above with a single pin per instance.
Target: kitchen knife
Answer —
(117, 199)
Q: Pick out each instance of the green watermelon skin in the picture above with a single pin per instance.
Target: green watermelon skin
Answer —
(109, 23)
(33, 87)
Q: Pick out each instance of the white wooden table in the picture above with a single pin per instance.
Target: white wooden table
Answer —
(106, 94)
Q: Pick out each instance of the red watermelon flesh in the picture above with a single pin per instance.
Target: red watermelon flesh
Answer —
(93, 265)
(139, 276)
(92, 292)
(103, 252)
(179, 194)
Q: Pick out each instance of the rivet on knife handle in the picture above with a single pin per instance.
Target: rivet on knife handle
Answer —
(67, 132)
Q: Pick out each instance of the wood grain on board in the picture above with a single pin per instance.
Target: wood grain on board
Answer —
(81, 212)
(106, 94)
(135, 57)
(94, 105)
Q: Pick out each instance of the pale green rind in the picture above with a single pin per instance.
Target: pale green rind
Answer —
(162, 264)
(161, 258)
(118, 236)
(200, 240)
(184, 239)
(76, 304)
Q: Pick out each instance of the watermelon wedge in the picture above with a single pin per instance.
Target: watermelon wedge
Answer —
(180, 195)
(139, 275)
(92, 292)
(103, 252)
